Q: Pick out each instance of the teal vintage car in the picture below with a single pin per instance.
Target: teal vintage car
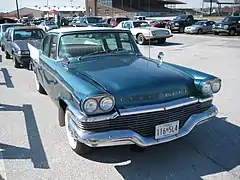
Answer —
(108, 93)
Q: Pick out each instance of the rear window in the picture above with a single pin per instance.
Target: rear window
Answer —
(25, 34)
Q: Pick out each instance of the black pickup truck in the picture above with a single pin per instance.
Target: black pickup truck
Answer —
(180, 22)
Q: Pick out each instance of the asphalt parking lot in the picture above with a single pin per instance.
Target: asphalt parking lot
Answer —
(33, 146)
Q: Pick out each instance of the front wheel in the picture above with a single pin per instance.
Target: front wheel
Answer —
(200, 31)
(181, 29)
(76, 146)
(7, 55)
(141, 39)
(16, 63)
(232, 32)
(216, 33)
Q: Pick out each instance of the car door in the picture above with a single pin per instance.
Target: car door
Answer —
(49, 64)
(9, 41)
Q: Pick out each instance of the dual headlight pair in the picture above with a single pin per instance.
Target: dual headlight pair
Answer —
(211, 87)
(26, 52)
(94, 105)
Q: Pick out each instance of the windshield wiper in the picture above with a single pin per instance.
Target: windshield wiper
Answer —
(92, 54)
(119, 50)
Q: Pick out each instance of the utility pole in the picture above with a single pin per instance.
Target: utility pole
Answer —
(18, 15)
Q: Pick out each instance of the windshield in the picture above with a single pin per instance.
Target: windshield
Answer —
(140, 24)
(200, 23)
(94, 20)
(82, 44)
(4, 27)
(180, 18)
(25, 34)
(229, 19)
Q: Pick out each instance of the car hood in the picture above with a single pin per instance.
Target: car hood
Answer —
(134, 80)
(23, 44)
(195, 26)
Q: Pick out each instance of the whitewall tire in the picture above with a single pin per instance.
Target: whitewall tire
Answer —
(76, 146)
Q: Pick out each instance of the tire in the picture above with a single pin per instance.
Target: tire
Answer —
(2, 48)
(200, 31)
(16, 63)
(161, 41)
(75, 145)
(141, 39)
(39, 87)
(7, 55)
(30, 66)
(216, 33)
(181, 29)
(232, 32)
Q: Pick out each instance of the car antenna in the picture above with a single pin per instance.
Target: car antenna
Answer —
(149, 42)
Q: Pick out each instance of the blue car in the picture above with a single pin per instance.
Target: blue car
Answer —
(3, 28)
(108, 93)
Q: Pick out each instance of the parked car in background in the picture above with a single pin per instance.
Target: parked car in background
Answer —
(230, 25)
(3, 28)
(180, 22)
(15, 43)
(200, 27)
(116, 20)
(91, 21)
(159, 23)
(143, 32)
(48, 25)
(107, 20)
(107, 93)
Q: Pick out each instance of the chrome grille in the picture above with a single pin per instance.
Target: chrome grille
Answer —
(145, 123)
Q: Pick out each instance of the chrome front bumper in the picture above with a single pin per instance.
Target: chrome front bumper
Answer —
(125, 137)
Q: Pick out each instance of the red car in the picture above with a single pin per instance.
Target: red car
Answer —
(159, 23)
(115, 21)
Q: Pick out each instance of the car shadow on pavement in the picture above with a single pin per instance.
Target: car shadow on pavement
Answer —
(169, 44)
(8, 82)
(36, 152)
(211, 148)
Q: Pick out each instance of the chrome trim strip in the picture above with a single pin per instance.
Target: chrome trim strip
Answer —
(158, 107)
(138, 110)
(206, 99)
(125, 137)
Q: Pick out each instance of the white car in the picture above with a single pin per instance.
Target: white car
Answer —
(143, 32)
(48, 25)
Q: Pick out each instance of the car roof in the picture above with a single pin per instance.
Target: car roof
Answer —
(79, 29)
(24, 27)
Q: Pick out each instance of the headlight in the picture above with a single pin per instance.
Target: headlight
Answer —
(207, 88)
(216, 85)
(90, 105)
(154, 33)
(225, 27)
(106, 104)
(19, 52)
(176, 24)
(25, 52)
(210, 87)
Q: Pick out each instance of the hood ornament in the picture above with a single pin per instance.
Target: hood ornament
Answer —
(160, 58)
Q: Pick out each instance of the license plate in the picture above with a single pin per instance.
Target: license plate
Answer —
(166, 129)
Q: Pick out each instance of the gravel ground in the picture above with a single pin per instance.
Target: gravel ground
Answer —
(33, 146)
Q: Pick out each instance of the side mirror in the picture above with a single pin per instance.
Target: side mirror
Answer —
(85, 22)
(160, 58)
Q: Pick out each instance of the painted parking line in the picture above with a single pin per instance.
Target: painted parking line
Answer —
(3, 174)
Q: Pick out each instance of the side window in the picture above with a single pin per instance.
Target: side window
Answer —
(46, 45)
(53, 47)
(82, 20)
(127, 25)
(123, 25)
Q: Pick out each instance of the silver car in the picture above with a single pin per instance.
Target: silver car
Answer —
(200, 27)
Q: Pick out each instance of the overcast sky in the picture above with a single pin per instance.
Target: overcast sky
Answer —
(10, 4)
